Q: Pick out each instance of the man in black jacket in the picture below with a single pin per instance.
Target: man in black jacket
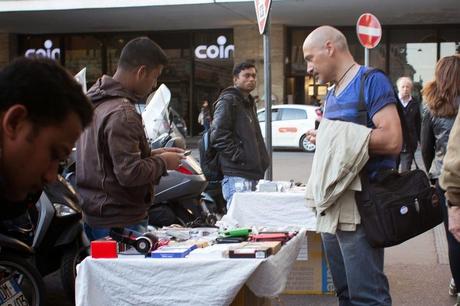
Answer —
(236, 135)
(412, 116)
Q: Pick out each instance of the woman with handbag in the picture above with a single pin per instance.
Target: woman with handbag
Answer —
(442, 98)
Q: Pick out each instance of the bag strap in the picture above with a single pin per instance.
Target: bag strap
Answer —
(416, 165)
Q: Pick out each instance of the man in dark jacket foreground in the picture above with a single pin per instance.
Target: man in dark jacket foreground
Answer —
(43, 110)
(116, 169)
(236, 135)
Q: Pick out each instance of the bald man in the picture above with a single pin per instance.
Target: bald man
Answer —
(411, 110)
(356, 267)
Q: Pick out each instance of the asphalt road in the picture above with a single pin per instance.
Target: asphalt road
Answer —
(417, 269)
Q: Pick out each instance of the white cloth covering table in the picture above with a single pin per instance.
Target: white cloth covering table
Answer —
(181, 281)
(271, 209)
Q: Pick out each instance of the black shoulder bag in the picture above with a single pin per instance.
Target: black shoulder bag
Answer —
(395, 207)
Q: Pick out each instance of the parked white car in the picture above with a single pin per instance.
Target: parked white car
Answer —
(290, 123)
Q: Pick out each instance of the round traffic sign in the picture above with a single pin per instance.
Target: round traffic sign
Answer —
(369, 30)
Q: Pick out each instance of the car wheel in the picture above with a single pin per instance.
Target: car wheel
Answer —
(305, 145)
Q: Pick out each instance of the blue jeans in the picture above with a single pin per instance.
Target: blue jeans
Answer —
(206, 124)
(95, 233)
(452, 243)
(356, 268)
(232, 184)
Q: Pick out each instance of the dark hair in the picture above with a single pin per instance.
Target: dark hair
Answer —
(142, 51)
(440, 95)
(242, 66)
(46, 89)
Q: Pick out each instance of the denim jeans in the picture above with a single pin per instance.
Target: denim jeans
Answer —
(95, 233)
(452, 244)
(206, 125)
(356, 268)
(232, 184)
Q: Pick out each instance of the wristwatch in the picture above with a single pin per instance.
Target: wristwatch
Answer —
(450, 204)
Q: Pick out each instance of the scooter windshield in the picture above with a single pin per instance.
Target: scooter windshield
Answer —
(155, 116)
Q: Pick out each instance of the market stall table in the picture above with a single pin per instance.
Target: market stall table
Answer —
(271, 209)
(181, 281)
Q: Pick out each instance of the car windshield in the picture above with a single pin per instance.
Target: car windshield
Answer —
(261, 115)
(293, 114)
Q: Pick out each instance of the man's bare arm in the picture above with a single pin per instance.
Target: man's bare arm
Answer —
(387, 137)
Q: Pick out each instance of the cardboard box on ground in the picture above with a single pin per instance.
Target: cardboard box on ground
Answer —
(310, 275)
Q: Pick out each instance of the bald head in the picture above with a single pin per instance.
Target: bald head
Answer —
(320, 36)
(326, 52)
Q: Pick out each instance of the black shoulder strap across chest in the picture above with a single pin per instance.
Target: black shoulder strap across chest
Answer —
(362, 107)
(362, 100)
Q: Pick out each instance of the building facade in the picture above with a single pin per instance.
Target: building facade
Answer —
(202, 58)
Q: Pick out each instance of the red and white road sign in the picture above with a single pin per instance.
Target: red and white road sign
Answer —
(262, 10)
(369, 30)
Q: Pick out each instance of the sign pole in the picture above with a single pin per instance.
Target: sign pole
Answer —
(268, 99)
(263, 20)
(366, 57)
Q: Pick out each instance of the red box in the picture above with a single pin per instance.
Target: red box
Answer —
(104, 249)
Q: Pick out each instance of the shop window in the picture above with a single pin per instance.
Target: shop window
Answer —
(314, 89)
(298, 65)
(213, 56)
(213, 60)
(450, 41)
(413, 53)
(177, 74)
(83, 51)
(113, 46)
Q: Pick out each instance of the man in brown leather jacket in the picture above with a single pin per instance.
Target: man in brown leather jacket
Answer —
(116, 170)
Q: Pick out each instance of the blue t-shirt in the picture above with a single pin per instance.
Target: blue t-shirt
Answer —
(378, 93)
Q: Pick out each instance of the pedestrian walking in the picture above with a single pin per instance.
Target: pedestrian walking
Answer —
(442, 100)
(411, 111)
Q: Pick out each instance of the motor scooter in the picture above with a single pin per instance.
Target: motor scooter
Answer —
(178, 196)
(53, 230)
(20, 281)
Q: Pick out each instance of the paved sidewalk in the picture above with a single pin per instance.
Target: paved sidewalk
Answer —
(415, 272)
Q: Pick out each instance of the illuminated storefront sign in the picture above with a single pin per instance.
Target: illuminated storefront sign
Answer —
(215, 51)
(46, 52)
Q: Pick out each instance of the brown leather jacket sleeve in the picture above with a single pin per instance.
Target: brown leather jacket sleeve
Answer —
(450, 176)
(132, 163)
